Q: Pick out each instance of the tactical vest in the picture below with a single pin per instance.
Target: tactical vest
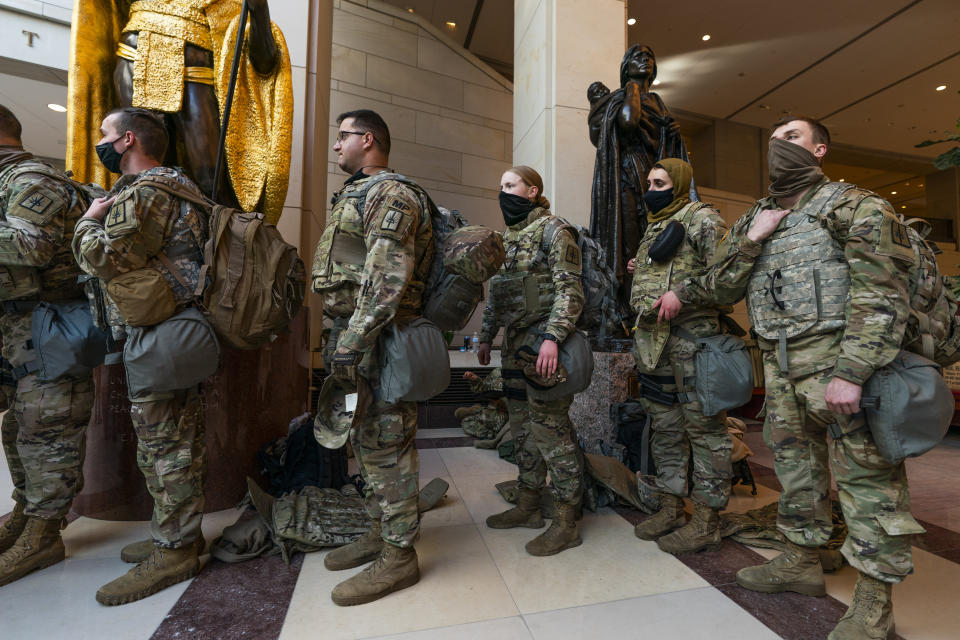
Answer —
(522, 292)
(653, 279)
(58, 279)
(341, 253)
(801, 279)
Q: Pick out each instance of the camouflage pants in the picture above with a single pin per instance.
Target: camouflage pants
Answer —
(681, 434)
(44, 430)
(171, 454)
(543, 434)
(873, 493)
(383, 443)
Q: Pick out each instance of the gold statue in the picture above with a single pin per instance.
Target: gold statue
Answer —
(175, 56)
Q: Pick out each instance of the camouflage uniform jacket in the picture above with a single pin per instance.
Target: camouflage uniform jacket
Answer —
(373, 270)
(39, 208)
(868, 239)
(144, 221)
(555, 275)
(704, 228)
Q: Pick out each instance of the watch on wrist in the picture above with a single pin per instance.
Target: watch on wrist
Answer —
(550, 336)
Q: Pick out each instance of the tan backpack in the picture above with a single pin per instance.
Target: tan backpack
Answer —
(257, 281)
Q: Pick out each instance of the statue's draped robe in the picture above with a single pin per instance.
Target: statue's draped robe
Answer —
(261, 122)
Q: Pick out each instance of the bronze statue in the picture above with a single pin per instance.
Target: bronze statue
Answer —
(174, 56)
(631, 129)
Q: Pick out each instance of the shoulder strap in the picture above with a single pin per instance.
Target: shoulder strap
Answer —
(553, 226)
(178, 190)
(361, 193)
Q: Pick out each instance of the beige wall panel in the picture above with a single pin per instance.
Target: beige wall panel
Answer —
(531, 70)
(573, 174)
(489, 103)
(483, 172)
(419, 161)
(359, 90)
(531, 149)
(426, 86)
(348, 64)
(459, 136)
(437, 56)
(577, 66)
(366, 34)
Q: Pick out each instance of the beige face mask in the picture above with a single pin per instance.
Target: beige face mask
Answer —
(792, 168)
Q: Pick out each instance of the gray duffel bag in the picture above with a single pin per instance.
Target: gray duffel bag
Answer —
(724, 378)
(908, 406)
(178, 353)
(66, 339)
(414, 362)
(577, 358)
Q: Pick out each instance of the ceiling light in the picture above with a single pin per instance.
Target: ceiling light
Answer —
(631, 21)
(59, 108)
(409, 9)
(941, 87)
(705, 37)
(843, 179)
(656, 82)
(903, 206)
(451, 24)
(893, 193)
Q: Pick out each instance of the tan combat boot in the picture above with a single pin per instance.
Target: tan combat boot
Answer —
(870, 616)
(701, 532)
(164, 568)
(137, 552)
(38, 546)
(561, 535)
(664, 521)
(796, 569)
(525, 514)
(12, 527)
(393, 570)
(364, 549)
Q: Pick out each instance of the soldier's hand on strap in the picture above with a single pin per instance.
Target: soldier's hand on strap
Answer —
(345, 366)
(483, 353)
(669, 306)
(631, 265)
(843, 396)
(766, 223)
(99, 208)
(547, 358)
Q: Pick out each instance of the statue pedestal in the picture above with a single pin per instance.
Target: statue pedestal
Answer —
(590, 411)
(249, 401)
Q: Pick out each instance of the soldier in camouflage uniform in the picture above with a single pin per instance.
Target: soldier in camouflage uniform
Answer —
(823, 268)
(370, 268)
(129, 234)
(45, 424)
(681, 435)
(542, 248)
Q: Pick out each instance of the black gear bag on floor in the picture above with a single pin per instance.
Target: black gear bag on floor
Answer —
(296, 461)
(633, 427)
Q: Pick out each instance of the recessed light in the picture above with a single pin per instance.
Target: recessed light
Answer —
(451, 24)
(893, 193)
(705, 37)
(941, 87)
(409, 9)
(656, 82)
(59, 108)
(903, 206)
(843, 179)
(631, 21)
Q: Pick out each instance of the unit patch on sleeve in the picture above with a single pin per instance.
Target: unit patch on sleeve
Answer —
(894, 240)
(572, 256)
(36, 204)
(121, 218)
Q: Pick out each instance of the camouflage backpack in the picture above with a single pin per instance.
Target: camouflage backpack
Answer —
(256, 280)
(934, 328)
(602, 314)
(466, 257)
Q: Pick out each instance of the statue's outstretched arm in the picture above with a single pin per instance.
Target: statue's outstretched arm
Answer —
(263, 48)
(631, 114)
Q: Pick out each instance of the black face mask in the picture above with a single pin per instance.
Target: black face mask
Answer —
(657, 200)
(514, 208)
(109, 156)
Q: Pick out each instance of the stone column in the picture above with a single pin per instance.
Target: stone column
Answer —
(560, 47)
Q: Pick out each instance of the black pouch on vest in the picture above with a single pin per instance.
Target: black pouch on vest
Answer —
(667, 242)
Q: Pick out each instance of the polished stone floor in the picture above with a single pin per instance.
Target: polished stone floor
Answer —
(479, 583)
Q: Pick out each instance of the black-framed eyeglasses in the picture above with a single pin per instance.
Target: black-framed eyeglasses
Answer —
(342, 135)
